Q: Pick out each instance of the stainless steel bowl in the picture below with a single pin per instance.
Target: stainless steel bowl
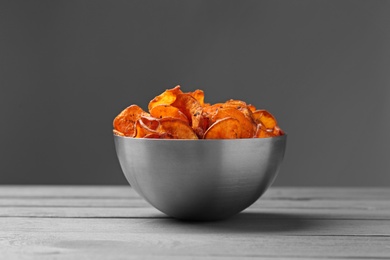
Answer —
(200, 179)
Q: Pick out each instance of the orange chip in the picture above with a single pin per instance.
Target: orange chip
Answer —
(193, 111)
(277, 131)
(142, 130)
(150, 122)
(176, 128)
(211, 110)
(125, 121)
(162, 111)
(235, 103)
(248, 127)
(226, 128)
(261, 132)
(165, 98)
(251, 107)
(159, 136)
(178, 115)
(264, 118)
(198, 95)
(240, 105)
(116, 132)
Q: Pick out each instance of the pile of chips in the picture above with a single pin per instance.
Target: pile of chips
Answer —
(178, 115)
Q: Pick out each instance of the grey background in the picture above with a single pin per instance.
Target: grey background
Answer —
(67, 68)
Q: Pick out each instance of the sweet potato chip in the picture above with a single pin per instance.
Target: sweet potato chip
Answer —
(116, 132)
(178, 115)
(150, 122)
(211, 110)
(252, 108)
(198, 95)
(264, 118)
(125, 121)
(239, 105)
(193, 111)
(165, 98)
(277, 131)
(159, 136)
(262, 132)
(248, 127)
(226, 128)
(142, 130)
(162, 111)
(176, 128)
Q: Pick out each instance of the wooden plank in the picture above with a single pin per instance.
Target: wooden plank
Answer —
(137, 207)
(110, 222)
(244, 224)
(150, 212)
(140, 202)
(63, 191)
(285, 193)
(116, 238)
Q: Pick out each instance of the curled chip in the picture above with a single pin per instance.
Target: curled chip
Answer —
(225, 128)
(198, 95)
(193, 110)
(142, 130)
(175, 114)
(159, 136)
(166, 98)
(264, 118)
(176, 128)
(125, 121)
(248, 127)
(162, 111)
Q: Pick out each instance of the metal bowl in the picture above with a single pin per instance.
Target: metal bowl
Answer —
(200, 179)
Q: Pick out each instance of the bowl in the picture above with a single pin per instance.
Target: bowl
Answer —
(200, 179)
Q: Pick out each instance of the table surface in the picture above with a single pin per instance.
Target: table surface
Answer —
(113, 222)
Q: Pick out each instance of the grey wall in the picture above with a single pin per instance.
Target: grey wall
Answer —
(68, 67)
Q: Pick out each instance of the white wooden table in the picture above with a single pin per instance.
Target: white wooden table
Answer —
(113, 222)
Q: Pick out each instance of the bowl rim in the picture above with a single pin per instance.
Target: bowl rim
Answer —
(284, 136)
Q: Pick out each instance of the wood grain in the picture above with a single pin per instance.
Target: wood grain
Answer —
(109, 222)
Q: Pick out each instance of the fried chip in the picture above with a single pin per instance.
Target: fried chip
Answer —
(165, 98)
(198, 95)
(211, 110)
(251, 107)
(262, 132)
(159, 136)
(248, 127)
(150, 122)
(277, 131)
(142, 130)
(116, 132)
(176, 128)
(193, 111)
(178, 115)
(264, 118)
(226, 128)
(162, 111)
(125, 121)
